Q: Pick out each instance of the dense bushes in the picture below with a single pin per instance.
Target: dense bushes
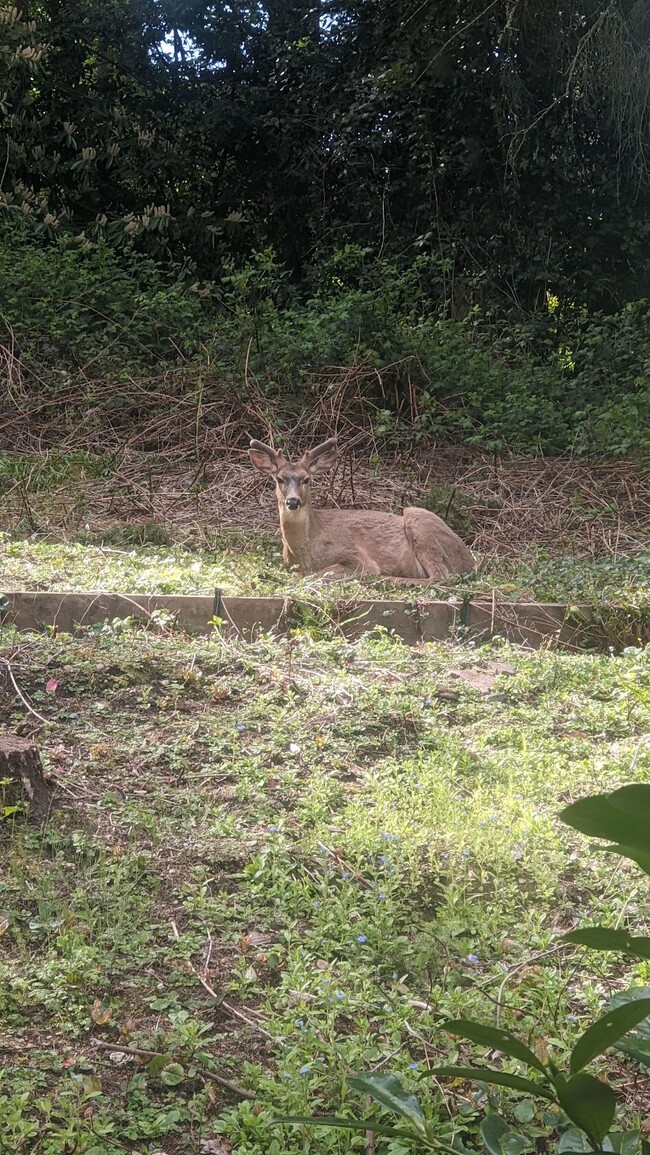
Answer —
(561, 380)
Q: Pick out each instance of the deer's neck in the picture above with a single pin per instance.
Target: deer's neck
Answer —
(296, 528)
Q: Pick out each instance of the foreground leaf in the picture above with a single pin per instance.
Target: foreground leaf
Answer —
(637, 1047)
(498, 1078)
(622, 816)
(499, 1138)
(389, 1093)
(589, 1103)
(606, 1031)
(605, 938)
(497, 1039)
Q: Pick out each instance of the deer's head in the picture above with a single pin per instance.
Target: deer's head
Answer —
(292, 479)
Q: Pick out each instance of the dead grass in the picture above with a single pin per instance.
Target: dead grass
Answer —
(179, 459)
(564, 506)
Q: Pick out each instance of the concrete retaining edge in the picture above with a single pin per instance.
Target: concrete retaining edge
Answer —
(527, 623)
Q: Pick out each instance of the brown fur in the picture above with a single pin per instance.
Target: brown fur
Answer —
(341, 542)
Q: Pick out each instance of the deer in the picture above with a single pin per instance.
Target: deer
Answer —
(338, 543)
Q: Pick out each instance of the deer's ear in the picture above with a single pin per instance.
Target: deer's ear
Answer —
(322, 458)
(263, 457)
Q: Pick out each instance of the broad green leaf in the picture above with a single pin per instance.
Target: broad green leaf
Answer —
(498, 1137)
(343, 1124)
(497, 1039)
(172, 1075)
(498, 1078)
(575, 1141)
(626, 1142)
(605, 938)
(606, 1031)
(524, 1112)
(637, 1047)
(589, 1103)
(622, 816)
(389, 1092)
(156, 1065)
(639, 856)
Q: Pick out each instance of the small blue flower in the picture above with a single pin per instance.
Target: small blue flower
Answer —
(444, 855)
(381, 858)
(304, 1070)
(473, 958)
(240, 728)
(413, 1066)
(361, 938)
(339, 995)
(286, 1075)
(427, 702)
(381, 895)
(571, 1019)
(300, 1022)
(316, 902)
(494, 818)
(271, 829)
(345, 874)
(466, 853)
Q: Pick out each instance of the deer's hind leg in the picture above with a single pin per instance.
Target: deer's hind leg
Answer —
(439, 551)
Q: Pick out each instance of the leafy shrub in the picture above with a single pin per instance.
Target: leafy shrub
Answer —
(555, 383)
(65, 305)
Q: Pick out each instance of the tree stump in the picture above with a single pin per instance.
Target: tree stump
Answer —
(21, 772)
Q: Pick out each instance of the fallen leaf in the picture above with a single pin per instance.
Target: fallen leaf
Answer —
(218, 1146)
(254, 938)
(99, 1014)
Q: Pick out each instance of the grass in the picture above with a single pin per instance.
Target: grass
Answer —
(281, 862)
(241, 563)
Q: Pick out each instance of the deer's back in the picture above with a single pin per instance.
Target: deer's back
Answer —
(383, 542)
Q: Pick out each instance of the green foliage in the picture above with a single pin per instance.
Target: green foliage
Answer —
(345, 841)
(558, 383)
(63, 306)
(589, 1103)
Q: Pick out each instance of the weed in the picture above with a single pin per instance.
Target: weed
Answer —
(281, 862)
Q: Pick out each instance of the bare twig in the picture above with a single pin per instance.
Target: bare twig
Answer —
(137, 1052)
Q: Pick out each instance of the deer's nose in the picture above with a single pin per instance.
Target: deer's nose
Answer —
(293, 503)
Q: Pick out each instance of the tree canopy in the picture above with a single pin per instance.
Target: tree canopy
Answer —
(507, 142)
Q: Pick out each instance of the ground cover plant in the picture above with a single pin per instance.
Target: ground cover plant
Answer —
(275, 864)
